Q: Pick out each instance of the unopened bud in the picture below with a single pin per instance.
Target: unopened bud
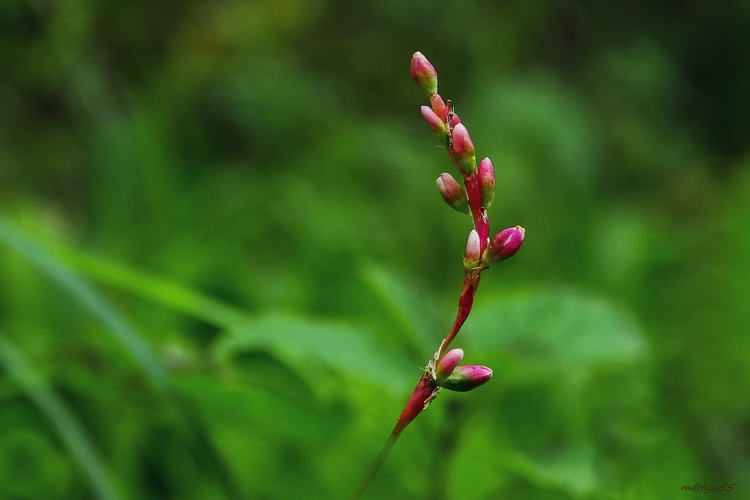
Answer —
(472, 250)
(463, 149)
(423, 72)
(434, 121)
(446, 365)
(504, 244)
(438, 106)
(467, 377)
(487, 178)
(452, 192)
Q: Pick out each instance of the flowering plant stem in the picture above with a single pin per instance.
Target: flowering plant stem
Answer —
(442, 370)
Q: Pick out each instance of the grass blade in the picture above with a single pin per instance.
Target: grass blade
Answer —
(91, 301)
(70, 431)
(144, 285)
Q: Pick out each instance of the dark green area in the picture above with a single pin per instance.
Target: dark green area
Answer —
(224, 260)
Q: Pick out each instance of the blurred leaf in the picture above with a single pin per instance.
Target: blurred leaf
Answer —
(71, 432)
(265, 430)
(544, 124)
(314, 348)
(555, 330)
(96, 305)
(552, 349)
(150, 287)
(409, 306)
(32, 465)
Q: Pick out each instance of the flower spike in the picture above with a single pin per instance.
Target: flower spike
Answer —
(443, 370)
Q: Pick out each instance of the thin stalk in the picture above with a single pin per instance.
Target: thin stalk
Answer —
(384, 451)
(465, 302)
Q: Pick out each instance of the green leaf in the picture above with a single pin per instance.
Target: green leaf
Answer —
(150, 287)
(71, 432)
(315, 347)
(409, 307)
(555, 329)
(93, 302)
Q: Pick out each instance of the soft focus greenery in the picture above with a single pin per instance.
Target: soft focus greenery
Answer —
(224, 260)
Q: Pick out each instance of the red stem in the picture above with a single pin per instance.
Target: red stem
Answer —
(478, 212)
(421, 397)
(473, 185)
(465, 301)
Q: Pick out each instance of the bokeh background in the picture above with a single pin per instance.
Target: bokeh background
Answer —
(224, 261)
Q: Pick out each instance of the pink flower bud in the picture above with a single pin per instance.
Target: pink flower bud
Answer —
(467, 377)
(447, 364)
(472, 250)
(487, 178)
(423, 72)
(463, 149)
(434, 121)
(452, 192)
(438, 106)
(504, 244)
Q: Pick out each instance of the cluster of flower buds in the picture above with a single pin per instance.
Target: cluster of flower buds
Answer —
(441, 118)
(461, 378)
(503, 245)
(478, 191)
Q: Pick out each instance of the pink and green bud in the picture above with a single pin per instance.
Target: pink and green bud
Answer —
(446, 365)
(438, 106)
(452, 192)
(423, 72)
(463, 149)
(473, 254)
(436, 124)
(487, 178)
(467, 377)
(504, 244)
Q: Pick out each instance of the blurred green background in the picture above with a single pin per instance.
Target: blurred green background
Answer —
(224, 261)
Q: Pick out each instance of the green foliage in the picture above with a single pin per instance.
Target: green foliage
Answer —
(28, 456)
(224, 262)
